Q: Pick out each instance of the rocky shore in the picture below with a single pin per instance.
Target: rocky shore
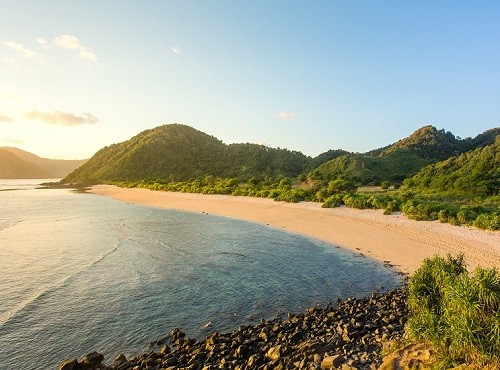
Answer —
(348, 335)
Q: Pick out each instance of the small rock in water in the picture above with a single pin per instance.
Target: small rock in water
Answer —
(69, 364)
(207, 325)
(92, 360)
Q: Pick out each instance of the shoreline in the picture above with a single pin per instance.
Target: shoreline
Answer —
(390, 239)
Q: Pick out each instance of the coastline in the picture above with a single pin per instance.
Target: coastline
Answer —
(391, 239)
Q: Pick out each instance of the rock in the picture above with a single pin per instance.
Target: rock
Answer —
(69, 364)
(242, 351)
(254, 361)
(330, 362)
(348, 367)
(275, 353)
(164, 350)
(348, 336)
(120, 359)
(92, 360)
(171, 361)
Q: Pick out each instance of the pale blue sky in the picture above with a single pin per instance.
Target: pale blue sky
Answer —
(304, 75)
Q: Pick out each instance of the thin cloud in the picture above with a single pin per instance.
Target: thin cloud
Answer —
(89, 55)
(14, 141)
(176, 50)
(70, 42)
(20, 51)
(62, 118)
(41, 41)
(286, 116)
(5, 119)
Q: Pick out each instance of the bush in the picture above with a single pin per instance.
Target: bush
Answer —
(357, 200)
(334, 201)
(489, 221)
(458, 313)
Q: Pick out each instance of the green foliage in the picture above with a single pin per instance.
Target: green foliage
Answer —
(333, 201)
(457, 312)
(325, 157)
(368, 170)
(429, 143)
(474, 172)
(179, 153)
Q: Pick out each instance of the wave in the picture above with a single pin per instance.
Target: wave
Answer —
(39, 294)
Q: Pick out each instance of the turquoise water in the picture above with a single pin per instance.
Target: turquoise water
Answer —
(82, 272)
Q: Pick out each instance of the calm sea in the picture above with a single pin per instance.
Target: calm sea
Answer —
(82, 272)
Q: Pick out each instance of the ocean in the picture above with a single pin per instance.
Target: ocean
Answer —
(82, 272)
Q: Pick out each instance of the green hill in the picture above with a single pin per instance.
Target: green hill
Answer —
(367, 170)
(13, 167)
(475, 172)
(58, 168)
(401, 160)
(178, 152)
(428, 143)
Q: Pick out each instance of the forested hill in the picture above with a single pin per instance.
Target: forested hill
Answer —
(401, 160)
(178, 152)
(475, 172)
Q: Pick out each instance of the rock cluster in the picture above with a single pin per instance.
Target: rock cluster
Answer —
(348, 336)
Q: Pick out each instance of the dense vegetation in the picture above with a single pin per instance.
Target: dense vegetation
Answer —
(473, 173)
(457, 312)
(369, 170)
(178, 153)
(401, 160)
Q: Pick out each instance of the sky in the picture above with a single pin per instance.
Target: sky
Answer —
(310, 76)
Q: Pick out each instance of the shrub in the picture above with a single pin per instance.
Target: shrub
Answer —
(457, 312)
(334, 201)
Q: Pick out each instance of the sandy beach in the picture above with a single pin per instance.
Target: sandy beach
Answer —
(389, 239)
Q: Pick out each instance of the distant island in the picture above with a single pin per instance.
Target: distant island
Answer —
(19, 164)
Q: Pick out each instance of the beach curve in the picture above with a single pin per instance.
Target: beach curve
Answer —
(391, 239)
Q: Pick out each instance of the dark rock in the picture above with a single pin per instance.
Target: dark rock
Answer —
(348, 336)
(330, 362)
(92, 360)
(69, 364)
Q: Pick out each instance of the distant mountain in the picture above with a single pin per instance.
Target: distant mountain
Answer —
(474, 172)
(178, 152)
(12, 167)
(402, 159)
(57, 168)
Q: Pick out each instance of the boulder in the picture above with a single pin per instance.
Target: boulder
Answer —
(331, 362)
(69, 364)
(92, 360)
